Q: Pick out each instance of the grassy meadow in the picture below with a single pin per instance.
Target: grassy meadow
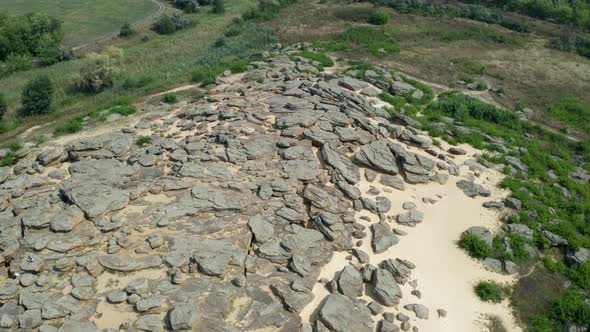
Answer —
(84, 20)
(162, 61)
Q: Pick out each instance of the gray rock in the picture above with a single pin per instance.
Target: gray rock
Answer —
(128, 264)
(513, 203)
(30, 319)
(350, 282)
(493, 205)
(341, 164)
(149, 302)
(261, 228)
(481, 232)
(378, 156)
(385, 288)
(116, 296)
(420, 310)
(67, 219)
(492, 264)
(383, 238)
(340, 313)
(150, 323)
(72, 325)
(520, 229)
(578, 256)
(183, 316)
(410, 218)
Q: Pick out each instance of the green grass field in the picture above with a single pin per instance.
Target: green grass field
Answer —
(162, 62)
(84, 20)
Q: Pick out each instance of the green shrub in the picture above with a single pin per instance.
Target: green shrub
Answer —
(137, 82)
(143, 141)
(572, 112)
(10, 157)
(126, 30)
(570, 306)
(218, 7)
(170, 98)
(518, 246)
(70, 127)
(100, 70)
(205, 75)
(164, 25)
(552, 265)
(3, 106)
(488, 291)
(580, 275)
(27, 35)
(475, 246)
(322, 58)
(37, 96)
(378, 17)
(266, 10)
(481, 86)
(364, 39)
(475, 68)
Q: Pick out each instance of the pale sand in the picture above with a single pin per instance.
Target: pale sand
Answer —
(445, 273)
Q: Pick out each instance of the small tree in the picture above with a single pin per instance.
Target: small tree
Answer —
(218, 7)
(37, 96)
(126, 30)
(3, 106)
(100, 71)
(165, 25)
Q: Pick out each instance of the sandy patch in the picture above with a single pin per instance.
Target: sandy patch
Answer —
(445, 273)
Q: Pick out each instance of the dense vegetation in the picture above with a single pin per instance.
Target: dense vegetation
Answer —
(555, 203)
(488, 291)
(25, 37)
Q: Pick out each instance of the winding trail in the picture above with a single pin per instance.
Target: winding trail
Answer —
(161, 8)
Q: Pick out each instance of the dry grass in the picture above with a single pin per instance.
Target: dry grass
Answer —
(437, 50)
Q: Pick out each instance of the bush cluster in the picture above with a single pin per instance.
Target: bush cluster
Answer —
(166, 24)
(100, 70)
(37, 96)
(475, 246)
(488, 291)
(25, 37)
(378, 17)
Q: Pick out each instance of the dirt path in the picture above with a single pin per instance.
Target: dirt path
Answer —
(161, 8)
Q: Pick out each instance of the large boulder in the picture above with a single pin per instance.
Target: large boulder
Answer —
(341, 314)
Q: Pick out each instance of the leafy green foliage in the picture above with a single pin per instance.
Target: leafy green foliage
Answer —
(322, 58)
(518, 246)
(475, 68)
(580, 275)
(37, 96)
(378, 17)
(363, 39)
(571, 306)
(266, 10)
(571, 111)
(25, 36)
(167, 25)
(218, 7)
(10, 158)
(100, 70)
(488, 291)
(475, 246)
(143, 141)
(235, 55)
(70, 127)
(170, 98)
(3, 106)
(126, 30)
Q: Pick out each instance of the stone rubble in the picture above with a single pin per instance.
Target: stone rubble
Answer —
(225, 218)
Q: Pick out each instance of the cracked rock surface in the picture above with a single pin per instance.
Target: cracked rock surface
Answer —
(221, 222)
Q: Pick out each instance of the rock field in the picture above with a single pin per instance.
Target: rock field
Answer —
(224, 218)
